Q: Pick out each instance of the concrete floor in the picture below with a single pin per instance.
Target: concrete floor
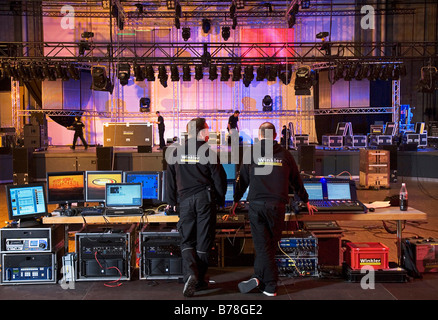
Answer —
(423, 195)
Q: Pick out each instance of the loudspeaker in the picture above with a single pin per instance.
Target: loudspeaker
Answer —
(104, 158)
(306, 158)
(144, 149)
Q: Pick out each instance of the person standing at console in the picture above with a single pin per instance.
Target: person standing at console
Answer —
(161, 128)
(268, 176)
(78, 126)
(195, 185)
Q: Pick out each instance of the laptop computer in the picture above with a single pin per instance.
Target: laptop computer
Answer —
(123, 199)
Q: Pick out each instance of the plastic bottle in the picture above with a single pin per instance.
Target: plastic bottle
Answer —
(403, 198)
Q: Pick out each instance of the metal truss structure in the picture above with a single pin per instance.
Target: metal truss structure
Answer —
(219, 53)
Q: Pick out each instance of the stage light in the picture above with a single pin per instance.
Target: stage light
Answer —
(240, 4)
(123, 73)
(186, 73)
(305, 4)
(36, 72)
(363, 71)
(138, 73)
(139, 7)
(75, 74)
(206, 56)
(206, 25)
(87, 35)
(291, 20)
(212, 72)
(58, 71)
(49, 72)
(267, 103)
(174, 73)
(83, 45)
(226, 33)
(225, 73)
(261, 73)
(375, 72)
(199, 72)
(100, 81)
(350, 74)
(237, 73)
(186, 33)
(170, 4)
(427, 83)
(304, 79)
(65, 76)
(145, 104)
(285, 75)
(272, 73)
(149, 72)
(162, 76)
(339, 71)
(248, 75)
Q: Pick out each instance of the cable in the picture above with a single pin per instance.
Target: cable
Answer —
(300, 273)
(114, 281)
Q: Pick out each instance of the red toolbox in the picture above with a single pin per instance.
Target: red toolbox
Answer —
(373, 254)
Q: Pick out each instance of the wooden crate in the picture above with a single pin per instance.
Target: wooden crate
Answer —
(374, 167)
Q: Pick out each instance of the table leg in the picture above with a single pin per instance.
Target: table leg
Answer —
(399, 242)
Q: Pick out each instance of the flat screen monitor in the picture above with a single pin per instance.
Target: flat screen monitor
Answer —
(95, 182)
(123, 195)
(314, 190)
(27, 201)
(338, 191)
(65, 187)
(229, 195)
(230, 170)
(151, 182)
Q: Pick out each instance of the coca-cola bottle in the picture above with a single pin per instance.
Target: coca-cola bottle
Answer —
(403, 197)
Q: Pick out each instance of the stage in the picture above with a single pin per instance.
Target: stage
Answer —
(326, 162)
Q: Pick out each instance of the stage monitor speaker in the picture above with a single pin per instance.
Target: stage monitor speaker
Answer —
(22, 160)
(104, 158)
(306, 158)
(144, 149)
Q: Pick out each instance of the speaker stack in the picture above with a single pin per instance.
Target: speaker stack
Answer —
(22, 165)
(104, 158)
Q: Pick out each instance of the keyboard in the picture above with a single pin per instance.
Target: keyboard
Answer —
(92, 211)
(233, 221)
(336, 206)
(124, 212)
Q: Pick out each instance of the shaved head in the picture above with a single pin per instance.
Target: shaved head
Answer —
(266, 129)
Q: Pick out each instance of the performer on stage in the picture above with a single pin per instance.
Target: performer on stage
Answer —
(78, 126)
(233, 126)
(161, 128)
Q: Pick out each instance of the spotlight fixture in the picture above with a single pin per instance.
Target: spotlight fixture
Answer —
(87, 35)
(123, 73)
(212, 72)
(83, 45)
(237, 73)
(261, 73)
(139, 7)
(162, 75)
(49, 72)
(186, 33)
(206, 25)
(225, 72)
(199, 72)
(285, 75)
(272, 73)
(248, 75)
(363, 71)
(267, 103)
(206, 56)
(145, 104)
(304, 80)
(291, 20)
(138, 73)
(100, 81)
(186, 73)
(305, 4)
(74, 72)
(226, 33)
(149, 72)
(174, 73)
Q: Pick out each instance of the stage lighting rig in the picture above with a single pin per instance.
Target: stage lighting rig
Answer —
(174, 73)
(304, 80)
(149, 72)
(100, 81)
(138, 73)
(199, 72)
(272, 73)
(248, 75)
(145, 104)
(261, 73)
(163, 76)
(186, 33)
(123, 73)
(212, 72)
(226, 33)
(225, 73)
(237, 73)
(186, 73)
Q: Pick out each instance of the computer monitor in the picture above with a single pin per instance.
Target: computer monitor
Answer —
(123, 195)
(151, 181)
(338, 190)
(95, 182)
(230, 170)
(65, 187)
(26, 202)
(314, 190)
(229, 195)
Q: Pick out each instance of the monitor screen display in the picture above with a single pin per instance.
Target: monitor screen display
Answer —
(26, 201)
(123, 195)
(95, 182)
(338, 191)
(229, 196)
(150, 181)
(314, 190)
(65, 187)
(230, 170)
